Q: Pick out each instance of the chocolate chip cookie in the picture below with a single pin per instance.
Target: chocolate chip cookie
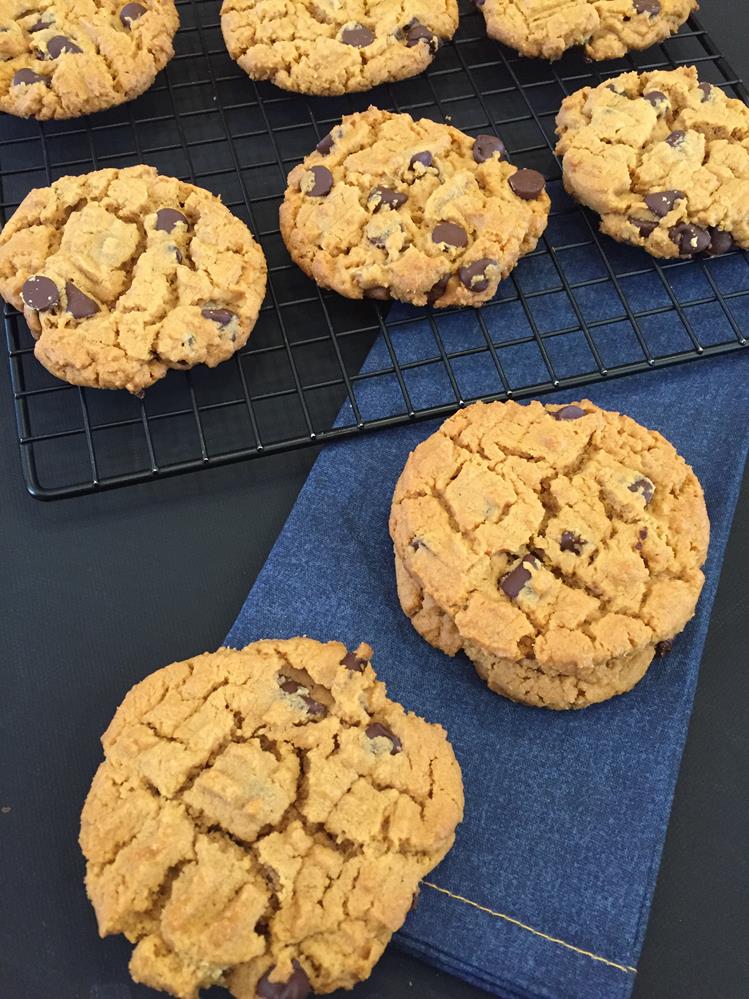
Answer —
(388, 207)
(560, 547)
(606, 28)
(664, 160)
(123, 274)
(335, 46)
(66, 58)
(262, 820)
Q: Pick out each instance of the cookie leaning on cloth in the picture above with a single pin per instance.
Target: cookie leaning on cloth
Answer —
(262, 820)
(335, 47)
(606, 28)
(559, 547)
(123, 274)
(74, 57)
(664, 160)
(388, 207)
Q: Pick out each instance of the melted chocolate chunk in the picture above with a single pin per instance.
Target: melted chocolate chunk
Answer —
(377, 731)
(221, 317)
(475, 276)
(167, 219)
(357, 35)
(676, 138)
(79, 306)
(61, 45)
(569, 413)
(514, 581)
(353, 662)
(651, 7)
(323, 182)
(527, 184)
(130, 13)
(644, 226)
(297, 987)
(661, 202)
(27, 76)
(425, 159)
(486, 146)
(643, 486)
(663, 648)
(570, 542)
(450, 234)
(325, 144)
(438, 290)
(378, 292)
(384, 197)
(720, 242)
(420, 33)
(690, 238)
(656, 98)
(40, 293)
(707, 90)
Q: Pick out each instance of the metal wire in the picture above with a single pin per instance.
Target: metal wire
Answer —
(582, 307)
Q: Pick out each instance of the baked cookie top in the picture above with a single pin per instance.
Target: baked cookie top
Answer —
(66, 58)
(123, 274)
(561, 537)
(263, 817)
(335, 46)
(388, 207)
(663, 158)
(607, 28)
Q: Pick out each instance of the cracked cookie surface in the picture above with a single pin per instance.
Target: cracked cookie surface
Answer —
(388, 207)
(663, 159)
(262, 820)
(606, 28)
(67, 58)
(123, 274)
(335, 46)
(560, 547)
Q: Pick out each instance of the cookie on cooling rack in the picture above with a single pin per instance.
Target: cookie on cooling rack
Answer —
(560, 547)
(262, 820)
(335, 46)
(664, 160)
(123, 274)
(74, 57)
(606, 28)
(388, 207)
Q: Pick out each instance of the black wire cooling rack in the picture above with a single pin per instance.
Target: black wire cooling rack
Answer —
(580, 309)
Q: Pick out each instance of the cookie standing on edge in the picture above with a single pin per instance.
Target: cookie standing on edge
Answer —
(607, 28)
(559, 546)
(262, 820)
(389, 207)
(664, 160)
(123, 274)
(331, 47)
(74, 57)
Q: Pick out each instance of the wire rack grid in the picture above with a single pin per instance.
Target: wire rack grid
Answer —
(580, 309)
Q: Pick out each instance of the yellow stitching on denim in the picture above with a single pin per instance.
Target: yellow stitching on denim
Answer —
(523, 926)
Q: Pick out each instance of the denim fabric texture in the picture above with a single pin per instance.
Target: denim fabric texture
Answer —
(548, 888)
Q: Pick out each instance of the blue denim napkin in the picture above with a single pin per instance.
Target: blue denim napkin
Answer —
(547, 890)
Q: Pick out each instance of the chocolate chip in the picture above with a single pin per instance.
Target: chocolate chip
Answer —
(424, 158)
(314, 708)
(655, 97)
(485, 146)
(438, 290)
(39, 26)
(60, 45)
(450, 234)
(570, 542)
(385, 197)
(167, 219)
(297, 987)
(220, 316)
(514, 581)
(420, 33)
(379, 292)
(377, 731)
(720, 242)
(676, 138)
(475, 276)
(661, 202)
(325, 144)
(79, 306)
(569, 413)
(645, 487)
(27, 76)
(323, 182)
(40, 293)
(290, 686)
(527, 184)
(663, 648)
(177, 253)
(353, 662)
(651, 7)
(131, 12)
(644, 226)
(358, 36)
(707, 90)
(689, 238)
(643, 533)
